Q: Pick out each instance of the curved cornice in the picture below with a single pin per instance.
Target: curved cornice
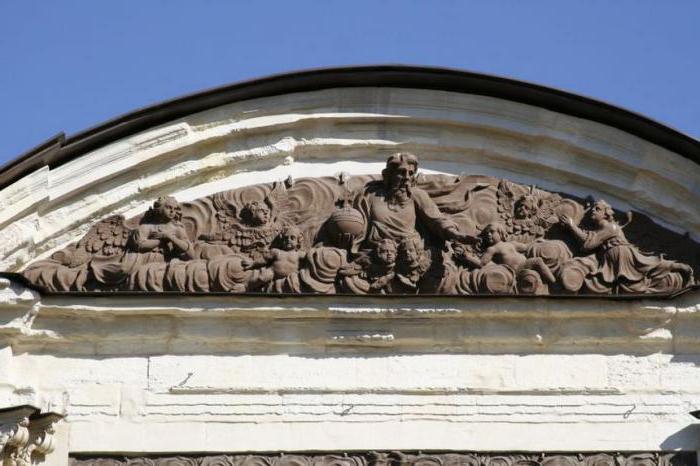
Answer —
(60, 149)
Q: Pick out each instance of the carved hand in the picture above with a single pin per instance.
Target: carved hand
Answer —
(381, 282)
(462, 237)
(350, 269)
(566, 221)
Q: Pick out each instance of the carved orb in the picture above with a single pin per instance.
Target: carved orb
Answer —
(346, 223)
(569, 208)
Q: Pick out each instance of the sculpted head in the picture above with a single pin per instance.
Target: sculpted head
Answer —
(291, 238)
(386, 251)
(256, 213)
(400, 171)
(167, 209)
(526, 206)
(412, 254)
(601, 211)
(494, 233)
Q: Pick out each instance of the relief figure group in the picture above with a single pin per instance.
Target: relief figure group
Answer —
(401, 233)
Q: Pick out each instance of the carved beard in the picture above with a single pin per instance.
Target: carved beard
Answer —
(398, 196)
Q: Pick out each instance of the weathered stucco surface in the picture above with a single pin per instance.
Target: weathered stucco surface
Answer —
(231, 374)
(208, 374)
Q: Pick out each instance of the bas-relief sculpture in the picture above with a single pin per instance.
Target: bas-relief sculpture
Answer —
(401, 233)
(403, 459)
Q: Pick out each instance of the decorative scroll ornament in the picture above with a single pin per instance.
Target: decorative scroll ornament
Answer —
(404, 459)
(25, 436)
(398, 234)
(14, 431)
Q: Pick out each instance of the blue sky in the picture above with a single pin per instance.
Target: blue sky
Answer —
(68, 65)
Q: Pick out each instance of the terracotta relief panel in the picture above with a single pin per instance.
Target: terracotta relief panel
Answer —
(397, 233)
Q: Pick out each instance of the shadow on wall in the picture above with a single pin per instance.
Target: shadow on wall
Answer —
(686, 438)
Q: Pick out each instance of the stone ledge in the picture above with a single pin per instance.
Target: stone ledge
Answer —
(111, 325)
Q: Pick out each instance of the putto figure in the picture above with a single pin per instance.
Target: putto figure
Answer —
(285, 259)
(510, 253)
(413, 262)
(394, 234)
(254, 229)
(373, 273)
(158, 240)
(161, 231)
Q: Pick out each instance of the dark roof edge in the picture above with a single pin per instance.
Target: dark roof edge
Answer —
(60, 149)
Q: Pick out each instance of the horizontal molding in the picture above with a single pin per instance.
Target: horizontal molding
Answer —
(124, 325)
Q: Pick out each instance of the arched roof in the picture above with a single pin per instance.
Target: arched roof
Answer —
(60, 149)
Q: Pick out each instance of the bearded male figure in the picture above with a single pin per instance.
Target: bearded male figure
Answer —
(394, 208)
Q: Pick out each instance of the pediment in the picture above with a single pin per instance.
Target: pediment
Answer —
(265, 268)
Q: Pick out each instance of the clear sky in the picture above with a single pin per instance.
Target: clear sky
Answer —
(66, 65)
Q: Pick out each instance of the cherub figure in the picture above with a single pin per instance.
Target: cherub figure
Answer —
(525, 207)
(256, 230)
(503, 252)
(283, 260)
(529, 218)
(372, 273)
(256, 213)
(252, 231)
(158, 240)
(161, 232)
(412, 262)
(381, 270)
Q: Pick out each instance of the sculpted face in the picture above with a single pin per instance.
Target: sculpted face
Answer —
(386, 252)
(400, 177)
(410, 253)
(525, 207)
(291, 239)
(257, 213)
(599, 212)
(400, 171)
(261, 215)
(168, 209)
(490, 234)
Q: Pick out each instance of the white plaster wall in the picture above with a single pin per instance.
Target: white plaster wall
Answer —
(231, 375)
(240, 374)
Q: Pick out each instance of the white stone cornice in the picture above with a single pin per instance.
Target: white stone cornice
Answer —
(124, 325)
